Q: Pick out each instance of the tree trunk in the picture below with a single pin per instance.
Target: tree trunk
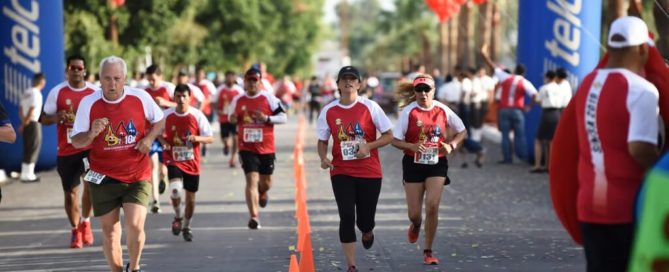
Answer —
(662, 25)
(614, 9)
(443, 47)
(483, 30)
(496, 33)
(464, 36)
(452, 42)
(426, 51)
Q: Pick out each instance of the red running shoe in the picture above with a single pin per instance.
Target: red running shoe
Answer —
(76, 241)
(412, 233)
(429, 259)
(86, 232)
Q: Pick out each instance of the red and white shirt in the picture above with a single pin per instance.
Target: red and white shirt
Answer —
(350, 124)
(513, 89)
(208, 89)
(255, 135)
(165, 90)
(427, 125)
(113, 151)
(178, 126)
(66, 98)
(196, 93)
(225, 96)
(613, 108)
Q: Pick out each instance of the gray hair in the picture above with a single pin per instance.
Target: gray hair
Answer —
(114, 60)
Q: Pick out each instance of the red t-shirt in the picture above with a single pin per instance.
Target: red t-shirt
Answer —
(254, 135)
(345, 124)
(166, 91)
(512, 90)
(416, 124)
(113, 151)
(63, 97)
(225, 96)
(184, 154)
(613, 108)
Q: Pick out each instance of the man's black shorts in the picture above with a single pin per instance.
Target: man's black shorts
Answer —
(191, 182)
(70, 168)
(416, 173)
(261, 163)
(228, 129)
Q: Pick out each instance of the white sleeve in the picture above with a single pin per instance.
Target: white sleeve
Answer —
(197, 93)
(454, 121)
(322, 128)
(82, 120)
(498, 93)
(232, 106)
(400, 129)
(211, 88)
(542, 93)
(274, 103)
(529, 87)
(643, 110)
(170, 90)
(566, 97)
(501, 75)
(380, 119)
(203, 124)
(50, 106)
(152, 111)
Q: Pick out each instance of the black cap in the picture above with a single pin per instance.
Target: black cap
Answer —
(349, 70)
(253, 73)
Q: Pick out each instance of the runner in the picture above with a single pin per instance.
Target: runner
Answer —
(422, 133)
(208, 90)
(256, 113)
(60, 108)
(162, 93)
(355, 170)
(186, 128)
(314, 89)
(119, 123)
(226, 93)
(199, 100)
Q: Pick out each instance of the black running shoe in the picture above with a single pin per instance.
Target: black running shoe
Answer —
(368, 240)
(162, 185)
(253, 223)
(188, 234)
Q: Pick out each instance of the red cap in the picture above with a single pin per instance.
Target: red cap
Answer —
(423, 80)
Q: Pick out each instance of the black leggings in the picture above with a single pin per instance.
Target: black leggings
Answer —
(607, 246)
(355, 196)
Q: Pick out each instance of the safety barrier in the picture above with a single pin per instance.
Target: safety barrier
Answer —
(304, 248)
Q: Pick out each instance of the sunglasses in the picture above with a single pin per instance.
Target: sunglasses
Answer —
(76, 68)
(422, 88)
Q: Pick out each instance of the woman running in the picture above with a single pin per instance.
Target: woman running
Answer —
(355, 170)
(422, 133)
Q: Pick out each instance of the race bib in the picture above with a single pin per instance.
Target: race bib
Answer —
(349, 149)
(69, 135)
(252, 135)
(430, 156)
(94, 177)
(182, 153)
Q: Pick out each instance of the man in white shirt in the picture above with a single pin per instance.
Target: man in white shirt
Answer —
(449, 93)
(29, 112)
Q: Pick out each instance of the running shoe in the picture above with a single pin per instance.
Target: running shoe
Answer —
(412, 233)
(188, 234)
(75, 240)
(263, 199)
(155, 208)
(254, 223)
(127, 269)
(428, 258)
(352, 269)
(176, 226)
(368, 240)
(86, 232)
(36, 179)
(162, 185)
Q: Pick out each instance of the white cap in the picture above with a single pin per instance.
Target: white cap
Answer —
(632, 29)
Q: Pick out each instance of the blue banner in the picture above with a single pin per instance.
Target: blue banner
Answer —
(553, 34)
(32, 42)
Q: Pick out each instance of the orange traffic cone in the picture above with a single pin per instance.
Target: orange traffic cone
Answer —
(294, 267)
(307, 256)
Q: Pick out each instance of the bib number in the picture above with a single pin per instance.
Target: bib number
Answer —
(69, 135)
(182, 153)
(252, 135)
(94, 177)
(430, 156)
(349, 149)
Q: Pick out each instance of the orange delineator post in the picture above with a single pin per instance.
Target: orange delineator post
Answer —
(306, 262)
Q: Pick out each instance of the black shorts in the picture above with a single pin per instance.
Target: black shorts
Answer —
(228, 129)
(607, 247)
(416, 173)
(70, 168)
(191, 182)
(261, 163)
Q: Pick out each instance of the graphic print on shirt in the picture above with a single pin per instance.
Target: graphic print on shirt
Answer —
(429, 136)
(121, 137)
(350, 137)
(182, 148)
